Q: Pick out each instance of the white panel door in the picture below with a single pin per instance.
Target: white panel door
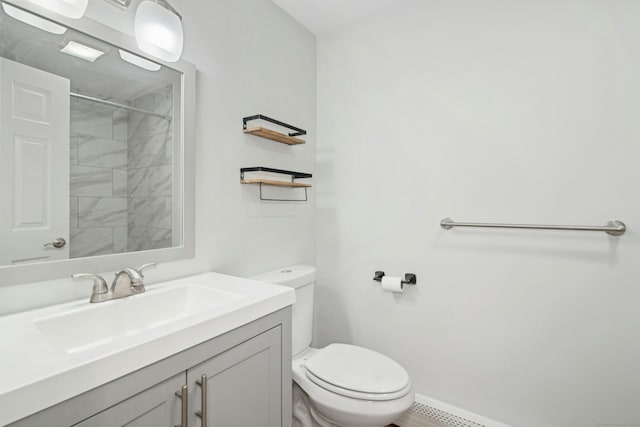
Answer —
(34, 164)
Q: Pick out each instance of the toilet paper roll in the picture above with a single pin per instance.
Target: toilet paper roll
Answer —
(392, 284)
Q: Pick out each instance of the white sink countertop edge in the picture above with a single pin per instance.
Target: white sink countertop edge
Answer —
(36, 374)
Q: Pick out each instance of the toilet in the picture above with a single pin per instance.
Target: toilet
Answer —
(338, 385)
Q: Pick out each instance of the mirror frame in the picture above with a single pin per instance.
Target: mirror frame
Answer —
(51, 270)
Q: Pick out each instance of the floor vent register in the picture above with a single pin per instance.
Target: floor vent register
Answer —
(421, 415)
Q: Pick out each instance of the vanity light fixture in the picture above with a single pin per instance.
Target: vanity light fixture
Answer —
(70, 8)
(139, 61)
(122, 3)
(82, 51)
(33, 20)
(158, 30)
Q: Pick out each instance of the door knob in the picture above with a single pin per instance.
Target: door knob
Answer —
(57, 243)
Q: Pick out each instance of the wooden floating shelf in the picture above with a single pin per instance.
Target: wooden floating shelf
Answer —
(274, 183)
(252, 176)
(274, 136)
(289, 139)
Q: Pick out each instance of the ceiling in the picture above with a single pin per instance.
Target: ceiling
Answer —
(324, 16)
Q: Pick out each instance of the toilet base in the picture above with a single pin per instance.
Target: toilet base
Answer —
(304, 414)
(301, 414)
(320, 421)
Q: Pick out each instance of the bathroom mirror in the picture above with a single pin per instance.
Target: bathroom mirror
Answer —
(95, 141)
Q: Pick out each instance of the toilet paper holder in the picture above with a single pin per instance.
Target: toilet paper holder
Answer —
(409, 278)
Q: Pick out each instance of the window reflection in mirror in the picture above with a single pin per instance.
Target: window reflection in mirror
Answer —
(88, 148)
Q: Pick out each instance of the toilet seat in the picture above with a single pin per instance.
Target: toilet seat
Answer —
(358, 394)
(358, 373)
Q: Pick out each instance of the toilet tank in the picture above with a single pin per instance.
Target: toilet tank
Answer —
(302, 279)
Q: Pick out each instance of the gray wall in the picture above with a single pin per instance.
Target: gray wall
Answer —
(487, 111)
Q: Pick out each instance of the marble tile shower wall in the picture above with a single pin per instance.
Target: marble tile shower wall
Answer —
(149, 180)
(121, 177)
(98, 186)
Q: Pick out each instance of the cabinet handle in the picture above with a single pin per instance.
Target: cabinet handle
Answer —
(202, 413)
(184, 396)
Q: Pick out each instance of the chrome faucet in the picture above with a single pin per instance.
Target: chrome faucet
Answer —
(129, 281)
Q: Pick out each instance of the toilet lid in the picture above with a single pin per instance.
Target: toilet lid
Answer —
(357, 370)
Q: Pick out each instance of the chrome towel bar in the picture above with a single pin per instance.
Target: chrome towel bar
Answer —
(614, 228)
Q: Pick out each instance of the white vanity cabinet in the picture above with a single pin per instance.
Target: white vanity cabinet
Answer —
(241, 378)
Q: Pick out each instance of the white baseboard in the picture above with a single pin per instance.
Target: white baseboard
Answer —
(428, 412)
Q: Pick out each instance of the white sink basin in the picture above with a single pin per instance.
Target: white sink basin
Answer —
(97, 324)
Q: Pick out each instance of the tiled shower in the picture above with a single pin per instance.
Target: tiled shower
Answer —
(121, 186)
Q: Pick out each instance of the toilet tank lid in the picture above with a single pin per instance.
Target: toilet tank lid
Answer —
(293, 276)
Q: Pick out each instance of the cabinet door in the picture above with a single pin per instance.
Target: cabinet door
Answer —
(243, 385)
(156, 407)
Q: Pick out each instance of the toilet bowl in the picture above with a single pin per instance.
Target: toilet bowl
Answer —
(344, 405)
(338, 385)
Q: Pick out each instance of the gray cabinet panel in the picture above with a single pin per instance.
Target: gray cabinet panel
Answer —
(244, 384)
(155, 407)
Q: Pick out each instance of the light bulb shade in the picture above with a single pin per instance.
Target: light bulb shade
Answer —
(81, 51)
(33, 20)
(158, 31)
(70, 8)
(138, 61)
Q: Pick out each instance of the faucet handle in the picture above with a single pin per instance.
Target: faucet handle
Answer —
(143, 266)
(99, 285)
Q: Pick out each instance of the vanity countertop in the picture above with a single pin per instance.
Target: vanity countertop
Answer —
(41, 369)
